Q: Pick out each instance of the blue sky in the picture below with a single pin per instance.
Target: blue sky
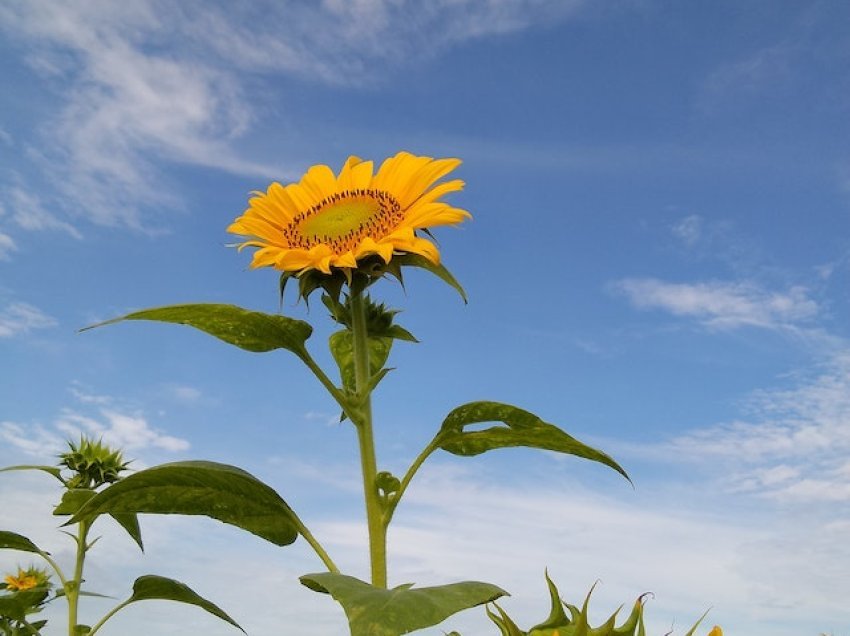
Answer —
(658, 261)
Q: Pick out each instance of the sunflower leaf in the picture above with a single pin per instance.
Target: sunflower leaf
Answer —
(218, 491)
(374, 611)
(342, 349)
(522, 429)
(250, 330)
(14, 541)
(415, 260)
(151, 587)
(50, 470)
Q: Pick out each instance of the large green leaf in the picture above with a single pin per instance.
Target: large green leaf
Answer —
(152, 587)
(220, 491)
(249, 330)
(374, 611)
(521, 429)
(342, 348)
(14, 541)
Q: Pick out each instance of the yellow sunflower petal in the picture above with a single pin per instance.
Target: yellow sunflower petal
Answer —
(319, 182)
(325, 221)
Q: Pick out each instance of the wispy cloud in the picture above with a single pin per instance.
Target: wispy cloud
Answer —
(18, 317)
(156, 82)
(28, 212)
(791, 444)
(117, 426)
(689, 230)
(7, 246)
(722, 305)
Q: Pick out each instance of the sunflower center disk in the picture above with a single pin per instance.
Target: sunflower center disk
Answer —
(343, 219)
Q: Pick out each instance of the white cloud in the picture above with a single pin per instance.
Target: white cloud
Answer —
(28, 213)
(722, 305)
(7, 246)
(128, 431)
(18, 318)
(185, 393)
(689, 229)
(793, 447)
(153, 81)
(122, 430)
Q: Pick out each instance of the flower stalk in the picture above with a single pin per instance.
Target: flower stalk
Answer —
(362, 420)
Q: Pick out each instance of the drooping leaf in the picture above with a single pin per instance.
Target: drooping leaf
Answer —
(521, 428)
(76, 498)
(342, 349)
(374, 611)
(415, 260)
(14, 541)
(219, 491)
(50, 470)
(151, 587)
(249, 330)
(130, 522)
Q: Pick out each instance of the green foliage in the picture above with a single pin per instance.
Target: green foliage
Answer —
(152, 587)
(522, 429)
(249, 330)
(219, 491)
(375, 611)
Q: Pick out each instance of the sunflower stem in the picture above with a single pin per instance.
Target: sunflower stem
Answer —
(366, 439)
(72, 587)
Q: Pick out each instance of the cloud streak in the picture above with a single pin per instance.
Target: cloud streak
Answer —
(722, 305)
(21, 318)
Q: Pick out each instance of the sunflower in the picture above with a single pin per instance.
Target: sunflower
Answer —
(25, 580)
(332, 221)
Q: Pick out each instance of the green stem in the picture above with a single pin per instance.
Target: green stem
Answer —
(317, 547)
(55, 567)
(72, 587)
(366, 439)
(408, 476)
(325, 380)
(109, 615)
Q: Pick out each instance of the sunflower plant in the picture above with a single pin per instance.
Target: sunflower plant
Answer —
(83, 470)
(338, 235)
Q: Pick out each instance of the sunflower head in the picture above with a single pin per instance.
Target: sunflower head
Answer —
(357, 222)
(28, 579)
(93, 463)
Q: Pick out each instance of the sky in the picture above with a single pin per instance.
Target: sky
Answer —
(658, 262)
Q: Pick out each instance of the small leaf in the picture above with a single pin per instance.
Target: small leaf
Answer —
(249, 330)
(506, 626)
(342, 349)
(13, 541)
(130, 522)
(152, 587)
(219, 491)
(415, 260)
(374, 611)
(73, 500)
(523, 429)
(51, 470)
